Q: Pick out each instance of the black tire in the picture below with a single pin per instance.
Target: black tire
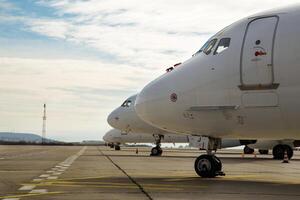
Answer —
(219, 163)
(160, 151)
(248, 150)
(117, 148)
(154, 151)
(263, 152)
(278, 151)
(206, 166)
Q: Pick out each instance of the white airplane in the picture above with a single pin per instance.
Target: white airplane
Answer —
(243, 83)
(115, 137)
(126, 120)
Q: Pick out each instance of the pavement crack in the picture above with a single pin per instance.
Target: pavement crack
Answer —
(129, 177)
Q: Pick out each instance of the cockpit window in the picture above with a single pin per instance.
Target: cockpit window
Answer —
(126, 103)
(203, 47)
(209, 46)
(223, 45)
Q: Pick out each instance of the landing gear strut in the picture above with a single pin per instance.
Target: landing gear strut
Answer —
(157, 151)
(208, 165)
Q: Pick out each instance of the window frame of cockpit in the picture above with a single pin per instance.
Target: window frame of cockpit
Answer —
(203, 48)
(220, 40)
(208, 51)
(129, 103)
(126, 103)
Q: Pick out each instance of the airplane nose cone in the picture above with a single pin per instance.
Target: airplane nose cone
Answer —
(148, 104)
(105, 138)
(140, 105)
(113, 119)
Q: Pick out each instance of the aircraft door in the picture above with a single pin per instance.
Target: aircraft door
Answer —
(257, 54)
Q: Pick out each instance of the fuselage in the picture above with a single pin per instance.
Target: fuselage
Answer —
(246, 86)
(118, 137)
(125, 119)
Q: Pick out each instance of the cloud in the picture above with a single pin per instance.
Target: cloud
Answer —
(6, 6)
(52, 28)
(79, 93)
(141, 32)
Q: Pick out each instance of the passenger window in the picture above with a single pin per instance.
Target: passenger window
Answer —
(223, 45)
(209, 46)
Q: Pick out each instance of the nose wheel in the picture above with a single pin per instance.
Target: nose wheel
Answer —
(208, 166)
(156, 151)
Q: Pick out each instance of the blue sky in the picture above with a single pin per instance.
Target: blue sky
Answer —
(84, 57)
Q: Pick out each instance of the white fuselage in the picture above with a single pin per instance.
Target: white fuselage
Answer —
(125, 119)
(118, 137)
(250, 90)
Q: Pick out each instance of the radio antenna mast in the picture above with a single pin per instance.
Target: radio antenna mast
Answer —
(44, 125)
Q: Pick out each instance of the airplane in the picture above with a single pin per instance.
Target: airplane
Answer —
(243, 83)
(115, 137)
(125, 119)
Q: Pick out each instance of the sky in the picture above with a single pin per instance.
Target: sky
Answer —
(83, 58)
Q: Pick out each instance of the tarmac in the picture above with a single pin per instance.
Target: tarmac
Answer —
(92, 172)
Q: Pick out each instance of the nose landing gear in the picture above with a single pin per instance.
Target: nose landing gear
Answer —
(157, 151)
(208, 165)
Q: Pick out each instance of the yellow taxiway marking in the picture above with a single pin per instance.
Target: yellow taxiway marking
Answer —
(241, 176)
(89, 177)
(260, 178)
(114, 183)
(113, 186)
(29, 195)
